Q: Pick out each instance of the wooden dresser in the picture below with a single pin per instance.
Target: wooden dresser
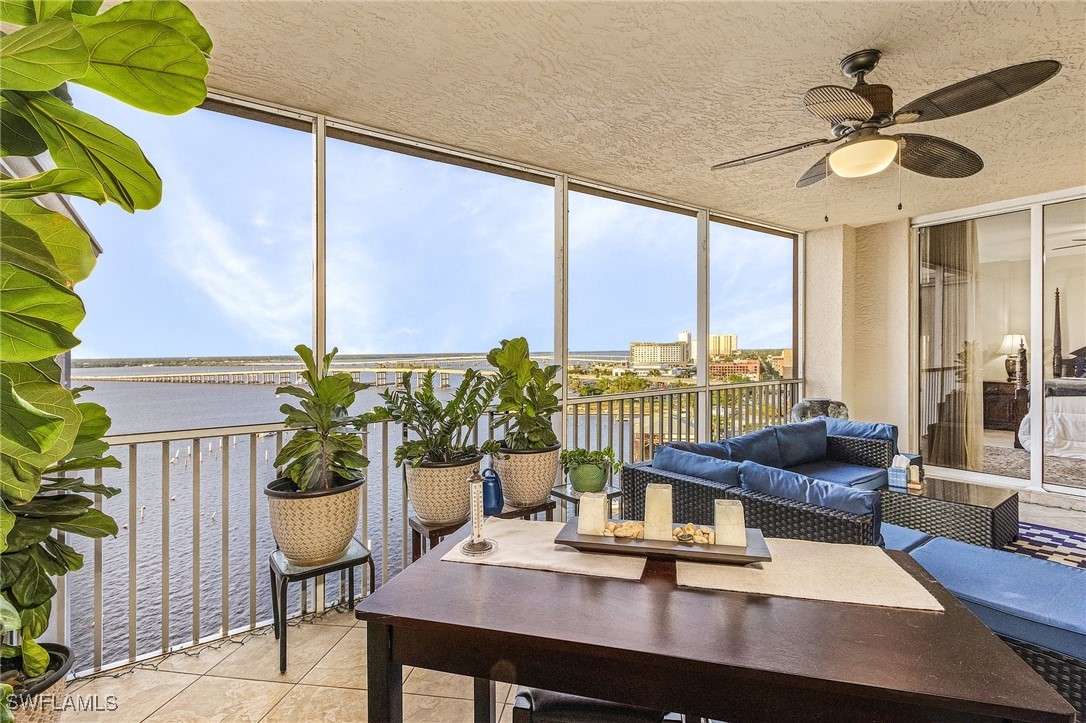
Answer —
(1002, 410)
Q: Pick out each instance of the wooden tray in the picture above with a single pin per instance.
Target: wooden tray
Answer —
(755, 551)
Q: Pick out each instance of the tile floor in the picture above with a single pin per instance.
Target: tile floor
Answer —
(325, 678)
(325, 681)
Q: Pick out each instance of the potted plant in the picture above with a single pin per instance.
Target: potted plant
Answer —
(440, 460)
(314, 506)
(46, 433)
(588, 470)
(527, 461)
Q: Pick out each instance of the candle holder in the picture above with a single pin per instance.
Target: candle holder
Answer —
(477, 545)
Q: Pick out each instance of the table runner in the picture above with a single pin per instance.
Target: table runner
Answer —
(860, 574)
(530, 545)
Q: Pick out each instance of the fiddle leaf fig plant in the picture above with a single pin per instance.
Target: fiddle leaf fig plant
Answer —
(322, 453)
(443, 430)
(527, 396)
(151, 54)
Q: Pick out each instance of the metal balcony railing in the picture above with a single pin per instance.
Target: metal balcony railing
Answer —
(189, 565)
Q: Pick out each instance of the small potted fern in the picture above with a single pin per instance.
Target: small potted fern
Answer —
(441, 457)
(527, 462)
(314, 505)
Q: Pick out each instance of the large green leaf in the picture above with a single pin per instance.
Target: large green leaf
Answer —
(37, 315)
(146, 64)
(68, 244)
(72, 181)
(168, 12)
(24, 424)
(43, 56)
(33, 586)
(92, 523)
(17, 136)
(59, 507)
(27, 12)
(27, 531)
(9, 616)
(50, 398)
(7, 521)
(68, 557)
(18, 12)
(34, 621)
(19, 482)
(20, 246)
(35, 657)
(79, 140)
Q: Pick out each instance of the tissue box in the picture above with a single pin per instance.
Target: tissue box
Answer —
(897, 476)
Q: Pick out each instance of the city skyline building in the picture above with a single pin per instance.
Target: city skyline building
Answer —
(646, 353)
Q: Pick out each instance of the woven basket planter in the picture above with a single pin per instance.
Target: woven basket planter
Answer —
(43, 700)
(439, 492)
(316, 526)
(527, 475)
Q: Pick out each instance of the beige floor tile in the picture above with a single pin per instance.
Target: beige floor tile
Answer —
(512, 694)
(208, 658)
(431, 709)
(446, 685)
(1071, 520)
(314, 704)
(345, 618)
(258, 659)
(507, 715)
(344, 666)
(222, 699)
(134, 696)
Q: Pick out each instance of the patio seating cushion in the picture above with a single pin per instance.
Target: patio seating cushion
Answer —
(793, 486)
(895, 537)
(710, 449)
(670, 459)
(760, 447)
(550, 707)
(1030, 600)
(801, 442)
(843, 473)
(864, 430)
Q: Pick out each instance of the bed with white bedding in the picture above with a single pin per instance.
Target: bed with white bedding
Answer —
(1065, 419)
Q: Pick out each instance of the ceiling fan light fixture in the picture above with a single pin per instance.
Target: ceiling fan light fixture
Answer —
(863, 157)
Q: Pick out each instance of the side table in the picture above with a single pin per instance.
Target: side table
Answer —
(436, 533)
(283, 572)
(566, 493)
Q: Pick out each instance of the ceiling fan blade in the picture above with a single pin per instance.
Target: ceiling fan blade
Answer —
(980, 92)
(815, 173)
(837, 105)
(937, 157)
(773, 154)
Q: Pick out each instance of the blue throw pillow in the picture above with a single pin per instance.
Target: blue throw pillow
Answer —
(793, 486)
(760, 447)
(802, 442)
(709, 449)
(864, 430)
(691, 464)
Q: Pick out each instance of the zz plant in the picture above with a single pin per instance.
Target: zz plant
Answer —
(322, 453)
(443, 431)
(527, 396)
(152, 55)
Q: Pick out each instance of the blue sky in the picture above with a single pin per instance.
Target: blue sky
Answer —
(422, 256)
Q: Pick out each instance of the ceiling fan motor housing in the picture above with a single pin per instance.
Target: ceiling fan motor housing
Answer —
(881, 98)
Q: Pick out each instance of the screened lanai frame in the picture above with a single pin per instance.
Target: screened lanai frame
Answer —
(323, 127)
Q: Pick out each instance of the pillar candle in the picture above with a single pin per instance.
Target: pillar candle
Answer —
(914, 474)
(658, 512)
(731, 526)
(592, 513)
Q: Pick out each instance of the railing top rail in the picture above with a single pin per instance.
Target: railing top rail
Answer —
(762, 383)
(180, 434)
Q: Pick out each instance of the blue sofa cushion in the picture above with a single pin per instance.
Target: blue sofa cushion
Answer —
(692, 464)
(792, 486)
(801, 442)
(842, 473)
(709, 449)
(1034, 601)
(760, 447)
(864, 430)
(895, 537)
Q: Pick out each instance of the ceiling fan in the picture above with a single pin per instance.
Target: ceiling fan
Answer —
(858, 116)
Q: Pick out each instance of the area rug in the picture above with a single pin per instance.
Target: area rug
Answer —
(1015, 463)
(1048, 543)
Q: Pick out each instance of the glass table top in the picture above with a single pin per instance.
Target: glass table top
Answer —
(566, 492)
(965, 493)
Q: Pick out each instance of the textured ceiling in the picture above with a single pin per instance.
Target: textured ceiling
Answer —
(648, 95)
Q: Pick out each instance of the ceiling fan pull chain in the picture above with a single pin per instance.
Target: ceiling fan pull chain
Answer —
(826, 195)
(899, 175)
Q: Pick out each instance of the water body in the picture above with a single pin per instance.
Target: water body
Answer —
(166, 488)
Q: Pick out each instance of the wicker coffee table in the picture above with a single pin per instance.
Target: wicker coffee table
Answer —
(973, 513)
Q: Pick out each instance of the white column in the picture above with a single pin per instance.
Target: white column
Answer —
(702, 328)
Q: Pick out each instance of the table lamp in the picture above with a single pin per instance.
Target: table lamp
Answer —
(1011, 343)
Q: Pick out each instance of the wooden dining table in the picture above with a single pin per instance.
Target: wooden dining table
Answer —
(727, 655)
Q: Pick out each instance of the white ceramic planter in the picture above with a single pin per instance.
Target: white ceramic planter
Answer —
(527, 476)
(439, 492)
(313, 527)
